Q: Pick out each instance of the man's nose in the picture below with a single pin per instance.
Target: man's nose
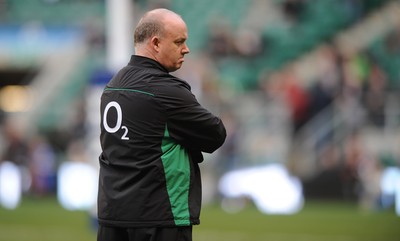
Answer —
(186, 49)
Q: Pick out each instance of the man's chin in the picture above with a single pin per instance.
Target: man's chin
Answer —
(178, 66)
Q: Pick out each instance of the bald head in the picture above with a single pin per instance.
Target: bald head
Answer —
(153, 24)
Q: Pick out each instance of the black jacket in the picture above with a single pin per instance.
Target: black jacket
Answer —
(153, 131)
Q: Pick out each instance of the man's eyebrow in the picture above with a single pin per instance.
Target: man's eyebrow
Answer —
(182, 39)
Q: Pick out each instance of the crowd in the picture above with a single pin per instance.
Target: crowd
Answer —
(356, 85)
(39, 153)
(358, 90)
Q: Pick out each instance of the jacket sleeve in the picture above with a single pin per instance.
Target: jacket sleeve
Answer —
(190, 124)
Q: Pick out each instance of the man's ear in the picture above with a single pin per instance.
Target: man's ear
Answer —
(155, 42)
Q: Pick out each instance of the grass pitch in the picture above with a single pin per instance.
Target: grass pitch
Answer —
(46, 220)
(318, 221)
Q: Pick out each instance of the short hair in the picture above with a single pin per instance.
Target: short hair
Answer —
(146, 28)
(151, 24)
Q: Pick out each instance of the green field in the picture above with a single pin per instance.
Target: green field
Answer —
(45, 220)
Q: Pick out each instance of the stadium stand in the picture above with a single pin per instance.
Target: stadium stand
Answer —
(282, 34)
(284, 40)
(70, 12)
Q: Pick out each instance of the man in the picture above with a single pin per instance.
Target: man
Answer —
(153, 133)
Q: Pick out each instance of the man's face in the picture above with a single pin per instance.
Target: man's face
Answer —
(172, 45)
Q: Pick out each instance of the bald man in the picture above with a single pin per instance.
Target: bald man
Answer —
(153, 133)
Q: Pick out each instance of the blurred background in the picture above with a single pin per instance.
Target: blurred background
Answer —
(308, 91)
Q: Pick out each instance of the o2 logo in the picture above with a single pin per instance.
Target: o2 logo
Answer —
(117, 126)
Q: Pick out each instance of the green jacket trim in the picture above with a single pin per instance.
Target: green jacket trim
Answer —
(177, 173)
(131, 90)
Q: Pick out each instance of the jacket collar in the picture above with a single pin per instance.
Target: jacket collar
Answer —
(142, 61)
(145, 62)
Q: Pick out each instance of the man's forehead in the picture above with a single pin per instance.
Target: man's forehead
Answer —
(178, 30)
